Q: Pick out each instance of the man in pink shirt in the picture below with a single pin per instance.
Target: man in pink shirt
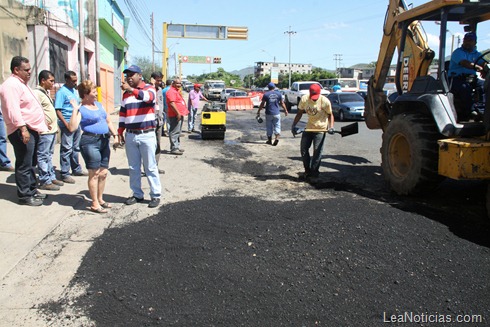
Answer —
(195, 96)
(24, 119)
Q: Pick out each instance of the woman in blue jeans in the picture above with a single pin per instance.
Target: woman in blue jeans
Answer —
(95, 141)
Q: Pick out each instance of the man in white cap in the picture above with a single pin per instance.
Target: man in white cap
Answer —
(272, 100)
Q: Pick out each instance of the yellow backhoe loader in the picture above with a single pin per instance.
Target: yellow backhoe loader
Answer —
(423, 139)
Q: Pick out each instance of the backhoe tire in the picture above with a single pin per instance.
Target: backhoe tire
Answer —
(409, 154)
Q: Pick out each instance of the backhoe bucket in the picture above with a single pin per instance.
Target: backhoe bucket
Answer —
(239, 104)
(349, 129)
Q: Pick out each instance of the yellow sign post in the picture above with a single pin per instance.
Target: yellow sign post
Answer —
(194, 31)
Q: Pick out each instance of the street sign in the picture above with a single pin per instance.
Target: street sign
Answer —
(199, 59)
(196, 59)
(213, 32)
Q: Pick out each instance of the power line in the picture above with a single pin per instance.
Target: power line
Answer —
(338, 61)
(134, 12)
(289, 32)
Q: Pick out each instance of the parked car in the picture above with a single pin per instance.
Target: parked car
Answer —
(212, 89)
(225, 93)
(187, 86)
(347, 105)
(237, 94)
(298, 89)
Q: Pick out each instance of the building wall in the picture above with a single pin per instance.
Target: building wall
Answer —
(264, 68)
(13, 35)
(39, 36)
(113, 46)
(107, 87)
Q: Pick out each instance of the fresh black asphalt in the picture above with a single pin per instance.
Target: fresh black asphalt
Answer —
(234, 261)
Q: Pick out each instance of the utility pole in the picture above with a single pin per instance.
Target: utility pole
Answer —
(152, 44)
(81, 42)
(338, 63)
(289, 32)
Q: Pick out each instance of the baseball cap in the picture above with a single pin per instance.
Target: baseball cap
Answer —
(271, 85)
(470, 36)
(315, 91)
(197, 85)
(133, 69)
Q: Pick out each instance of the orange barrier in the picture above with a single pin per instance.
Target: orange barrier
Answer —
(239, 104)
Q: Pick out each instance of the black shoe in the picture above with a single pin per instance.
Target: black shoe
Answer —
(154, 203)
(31, 201)
(276, 142)
(132, 200)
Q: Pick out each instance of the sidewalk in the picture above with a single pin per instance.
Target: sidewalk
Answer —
(23, 227)
(42, 247)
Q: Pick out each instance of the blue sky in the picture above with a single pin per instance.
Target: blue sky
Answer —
(324, 29)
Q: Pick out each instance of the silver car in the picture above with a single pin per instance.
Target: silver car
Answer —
(225, 93)
(347, 105)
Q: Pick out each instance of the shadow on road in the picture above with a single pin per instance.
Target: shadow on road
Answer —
(460, 205)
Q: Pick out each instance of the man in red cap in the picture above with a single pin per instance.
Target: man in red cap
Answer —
(195, 96)
(320, 121)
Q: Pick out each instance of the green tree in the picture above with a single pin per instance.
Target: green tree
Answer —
(146, 67)
(315, 75)
(220, 74)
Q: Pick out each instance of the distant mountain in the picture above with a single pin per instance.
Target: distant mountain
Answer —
(243, 72)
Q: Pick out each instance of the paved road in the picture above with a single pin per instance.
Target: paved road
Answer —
(240, 240)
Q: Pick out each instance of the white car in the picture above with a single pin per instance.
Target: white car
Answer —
(225, 94)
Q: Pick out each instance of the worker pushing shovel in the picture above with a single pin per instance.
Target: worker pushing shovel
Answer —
(320, 122)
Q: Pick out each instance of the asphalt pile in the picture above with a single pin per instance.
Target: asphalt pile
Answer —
(240, 261)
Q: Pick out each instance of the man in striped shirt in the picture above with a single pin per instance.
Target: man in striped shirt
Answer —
(137, 118)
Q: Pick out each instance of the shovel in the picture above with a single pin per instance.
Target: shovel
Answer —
(349, 130)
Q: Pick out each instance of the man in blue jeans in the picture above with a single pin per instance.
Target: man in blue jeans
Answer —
(272, 100)
(320, 121)
(137, 119)
(5, 164)
(70, 141)
(47, 140)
